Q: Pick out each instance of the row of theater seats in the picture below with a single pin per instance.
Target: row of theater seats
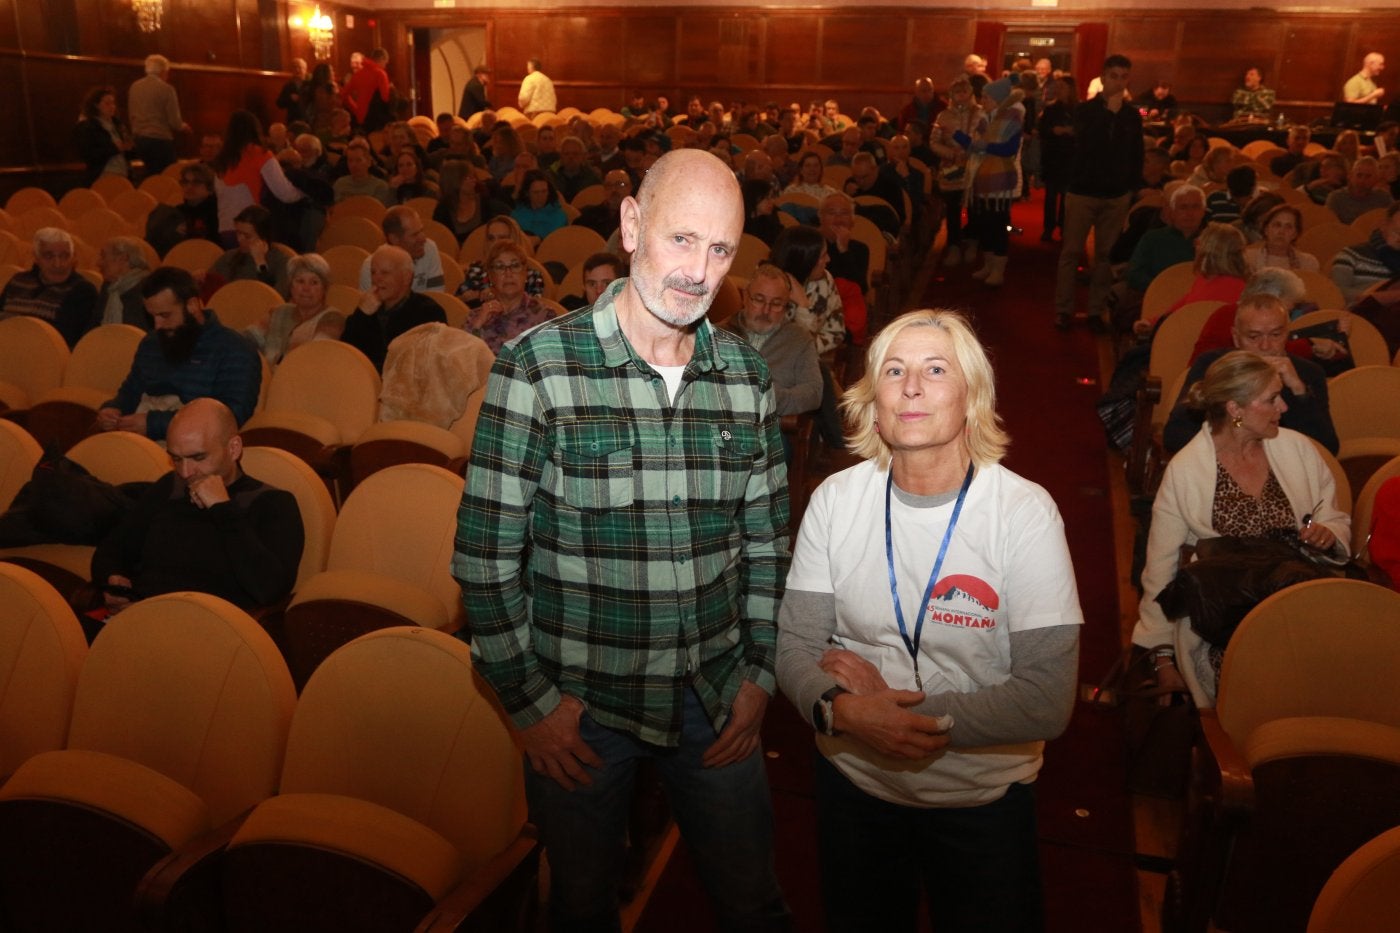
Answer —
(1297, 767)
(169, 777)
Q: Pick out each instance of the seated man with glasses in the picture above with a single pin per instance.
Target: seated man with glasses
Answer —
(506, 309)
(194, 218)
(785, 346)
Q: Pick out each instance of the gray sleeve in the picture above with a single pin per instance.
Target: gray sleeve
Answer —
(1034, 703)
(806, 621)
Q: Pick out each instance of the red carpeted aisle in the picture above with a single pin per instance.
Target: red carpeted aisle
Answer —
(1047, 383)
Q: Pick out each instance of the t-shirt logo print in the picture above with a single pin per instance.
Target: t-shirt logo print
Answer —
(964, 601)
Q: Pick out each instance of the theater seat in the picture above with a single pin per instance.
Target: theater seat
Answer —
(1363, 894)
(33, 356)
(41, 652)
(389, 565)
(19, 452)
(322, 397)
(179, 726)
(388, 443)
(402, 795)
(65, 415)
(1299, 763)
(287, 472)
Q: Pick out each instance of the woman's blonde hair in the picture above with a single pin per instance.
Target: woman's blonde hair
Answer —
(986, 439)
(1239, 376)
(1220, 251)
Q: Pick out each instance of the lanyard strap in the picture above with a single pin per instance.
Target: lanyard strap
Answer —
(912, 644)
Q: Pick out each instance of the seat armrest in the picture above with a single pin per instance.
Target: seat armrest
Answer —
(1229, 766)
(498, 897)
(182, 891)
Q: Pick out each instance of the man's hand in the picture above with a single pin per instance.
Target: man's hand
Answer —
(107, 418)
(554, 747)
(205, 491)
(111, 419)
(853, 672)
(884, 722)
(257, 249)
(112, 601)
(369, 302)
(739, 739)
(1288, 373)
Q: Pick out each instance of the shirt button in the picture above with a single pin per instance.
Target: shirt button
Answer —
(676, 500)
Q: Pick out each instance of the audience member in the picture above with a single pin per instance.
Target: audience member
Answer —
(1332, 172)
(506, 309)
(1225, 206)
(599, 271)
(1281, 227)
(404, 228)
(604, 217)
(536, 91)
(1219, 266)
(122, 262)
(848, 257)
(243, 169)
(205, 526)
(1261, 326)
(1348, 146)
(1377, 260)
(572, 172)
(367, 92)
(295, 95)
(1251, 222)
(464, 205)
(1298, 138)
(816, 304)
(785, 346)
(760, 213)
(1173, 243)
(868, 179)
(499, 229)
(476, 95)
(408, 181)
(845, 151)
(389, 306)
(1056, 131)
(1160, 106)
(52, 289)
(154, 111)
(189, 354)
(808, 181)
(102, 138)
(997, 179)
(255, 257)
(359, 180)
(1363, 192)
(925, 106)
(1215, 166)
(537, 208)
(1107, 162)
(950, 138)
(306, 317)
(196, 217)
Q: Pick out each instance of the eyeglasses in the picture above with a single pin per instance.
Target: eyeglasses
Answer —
(507, 266)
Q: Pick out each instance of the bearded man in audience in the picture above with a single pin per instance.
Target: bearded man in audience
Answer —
(189, 354)
(786, 346)
(52, 290)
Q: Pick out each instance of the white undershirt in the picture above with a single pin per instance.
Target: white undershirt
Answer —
(672, 375)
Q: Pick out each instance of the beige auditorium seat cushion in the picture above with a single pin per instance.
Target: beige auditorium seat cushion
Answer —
(360, 830)
(119, 786)
(358, 586)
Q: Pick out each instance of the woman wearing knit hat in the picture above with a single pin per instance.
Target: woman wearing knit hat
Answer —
(996, 176)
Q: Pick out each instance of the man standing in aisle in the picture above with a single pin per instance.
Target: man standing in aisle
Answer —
(154, 109)
(476, 95)
(536, 91)
(1106, 170)
(622, 543)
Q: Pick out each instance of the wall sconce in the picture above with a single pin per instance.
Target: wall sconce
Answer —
(320, 29)
(148, 13)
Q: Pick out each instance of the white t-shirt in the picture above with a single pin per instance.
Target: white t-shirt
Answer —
(1007, 569)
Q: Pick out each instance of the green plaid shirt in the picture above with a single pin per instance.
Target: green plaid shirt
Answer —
(614, 546)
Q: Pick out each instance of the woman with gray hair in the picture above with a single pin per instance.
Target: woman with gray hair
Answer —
(123, 265)
(931, 627)
(1243, 475)
(303, 319)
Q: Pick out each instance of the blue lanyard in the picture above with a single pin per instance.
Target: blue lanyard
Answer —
(912, 644)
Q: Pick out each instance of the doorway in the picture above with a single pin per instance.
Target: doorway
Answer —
(1034, 44)
(453, 55)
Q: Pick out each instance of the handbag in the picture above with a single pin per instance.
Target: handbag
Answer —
(1158, 737)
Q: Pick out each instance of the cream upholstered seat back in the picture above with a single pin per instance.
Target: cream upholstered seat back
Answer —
(1363, 894)
(287, 471)
(19, 452)
(41, 652)
(33, 357)
(121, 457)
(397, 718)
(1321, 648)
(102, 358)
(190, 686)
(328, 379)
(400, 523)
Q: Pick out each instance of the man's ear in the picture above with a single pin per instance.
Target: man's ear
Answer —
(631, 224)
(196, 309)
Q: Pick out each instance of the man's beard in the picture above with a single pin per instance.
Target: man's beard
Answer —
(654, 295)
(178, 345)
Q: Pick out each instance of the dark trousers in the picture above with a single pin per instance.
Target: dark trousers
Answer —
(1054, 215)
(990, 219)
(157, 154)
(977, 865)
(952, 216)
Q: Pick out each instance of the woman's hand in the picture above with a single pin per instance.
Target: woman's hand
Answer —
(852, 672)
(883, 721)
(1169, 681)
(1317, 536)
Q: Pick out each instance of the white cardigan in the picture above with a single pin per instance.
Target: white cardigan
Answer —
(1181, 514)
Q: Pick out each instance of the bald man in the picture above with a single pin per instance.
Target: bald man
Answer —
(205, 526)
(1361, 88)
(627, 475)
(389, 307)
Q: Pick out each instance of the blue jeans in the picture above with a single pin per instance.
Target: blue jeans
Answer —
(725, 816)
(978, 866)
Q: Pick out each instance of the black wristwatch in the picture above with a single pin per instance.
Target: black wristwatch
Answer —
(824, 711)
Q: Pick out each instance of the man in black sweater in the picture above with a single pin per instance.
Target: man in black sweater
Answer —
(390, 306)
(205, 526)
(1107, 168)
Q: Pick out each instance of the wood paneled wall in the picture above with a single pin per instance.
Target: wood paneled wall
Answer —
(233, 53)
